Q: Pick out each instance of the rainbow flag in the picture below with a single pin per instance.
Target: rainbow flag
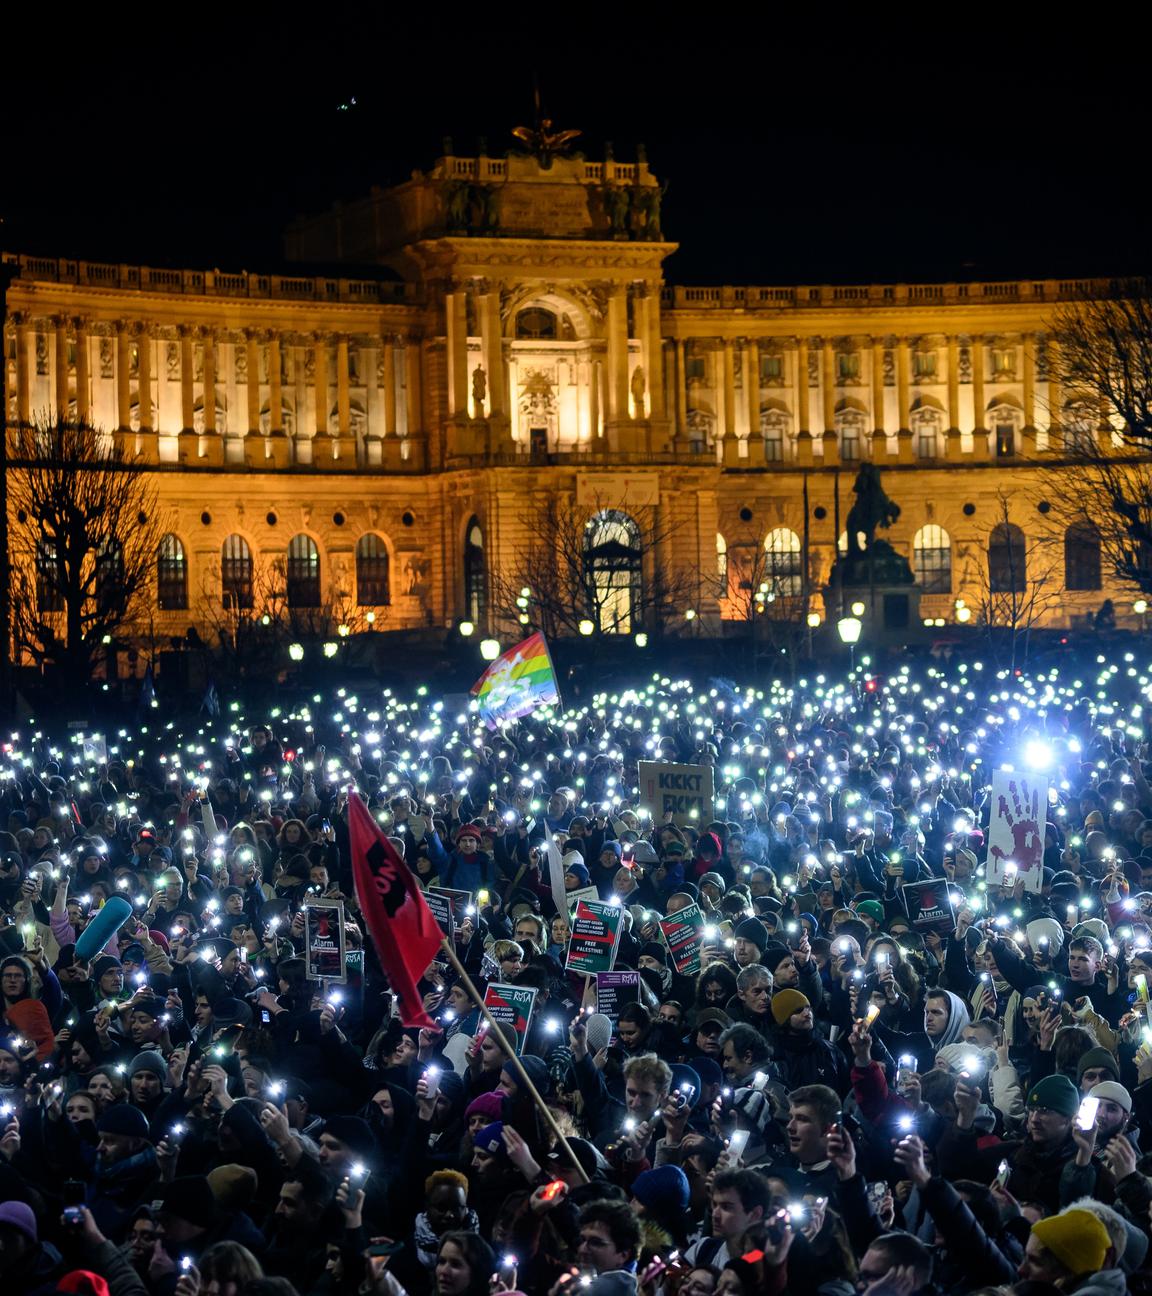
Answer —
(517, 682)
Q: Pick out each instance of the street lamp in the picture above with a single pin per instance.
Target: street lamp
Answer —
(849, 628)
(857, 609)
(813, 620)
(489, 649)
(330, 649)
(641, 639)
(466, 628)
(586, 627)
(296, 651)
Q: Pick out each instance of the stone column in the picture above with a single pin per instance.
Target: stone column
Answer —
(209, 371)
(320, 381)
(752, 386)
(83, 381)
(456, 336)
(594, 380)
(953, 433)
(654, 346)
(1055, 397)
(1029, 348)
(389, 345)
(343, 399)
(60, 326)
(803, 402)
(617, 353)
(23, 391)
(903, 379)
(979, 431)
(123, 362)
(492, 348)
(877, 385)
(828, 386)
(187, 368)
(252, 360)
(144, 376)
(275, 387)
(413, 376)
(729, 388)
(681, 391)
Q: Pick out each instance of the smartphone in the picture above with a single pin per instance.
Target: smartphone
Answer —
(876, 1194)
(383, 1249)
(73, 1193)
(685, 1095)
(737, 1143)
(552, 1190)
(1002, 1174)
(432, 1082)
(1086, 1116)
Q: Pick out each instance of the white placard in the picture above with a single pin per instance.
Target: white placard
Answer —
(1016, 831)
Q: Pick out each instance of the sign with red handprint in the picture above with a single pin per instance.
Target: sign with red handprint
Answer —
(1016, 831)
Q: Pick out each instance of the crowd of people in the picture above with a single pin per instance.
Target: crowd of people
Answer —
(834, 1096)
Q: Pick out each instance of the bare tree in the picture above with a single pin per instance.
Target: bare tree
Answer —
(86, 527)
(768, 602)
(595, 564)
(251, 634)
(1018, 582)
(1103, 363)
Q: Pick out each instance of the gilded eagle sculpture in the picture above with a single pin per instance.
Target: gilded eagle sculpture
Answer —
(542, 141)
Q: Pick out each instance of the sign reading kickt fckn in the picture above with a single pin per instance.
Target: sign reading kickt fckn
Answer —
(685, 790)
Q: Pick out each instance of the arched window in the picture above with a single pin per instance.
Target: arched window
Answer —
(475, 574)
(171, 575)
(612, 559)
(721, 557)
(236, 574)
(1007, 560)
(932, 559)
(1082, 557)
(784, 565)
(109, 572)
(536, 324)
(303, 573)
(48, 594)
(372, 589)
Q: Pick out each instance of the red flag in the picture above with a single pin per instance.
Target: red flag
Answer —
(399, 921)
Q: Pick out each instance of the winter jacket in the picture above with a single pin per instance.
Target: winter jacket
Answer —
(972, 1258)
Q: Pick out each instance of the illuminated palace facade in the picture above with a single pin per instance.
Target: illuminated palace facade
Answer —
(387, 443)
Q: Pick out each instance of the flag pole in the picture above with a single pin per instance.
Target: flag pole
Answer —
(513, 1057)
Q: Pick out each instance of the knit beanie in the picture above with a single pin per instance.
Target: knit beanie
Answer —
(872, 909)
(149, 1060)
(1111, 1091)
(190, 1198)
(664, 1191)
(773, 956)
(653, 949)
(1057, 1093)
(105, 963)
(452, 1086)
(1097, 1057)
(536, 1068)
(353, 1132)
(122, 1119)
(1076, 1238)
(787, 1002)
(488, 1105)
(1048, 929)
(1094, 927)
(753, 931)
(491, 1139)
(233, 1186)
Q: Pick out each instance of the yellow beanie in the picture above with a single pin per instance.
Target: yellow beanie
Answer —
(1076, 1238)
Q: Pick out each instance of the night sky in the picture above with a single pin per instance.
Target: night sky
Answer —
(814, 154)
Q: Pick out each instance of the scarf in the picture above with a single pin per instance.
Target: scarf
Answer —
(426, 1242)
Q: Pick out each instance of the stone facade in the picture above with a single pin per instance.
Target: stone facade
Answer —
(527, 346)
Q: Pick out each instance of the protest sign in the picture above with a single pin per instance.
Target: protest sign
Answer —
(685, 790)
(440, 906)
(581, 893)
(324, 950)
(508, 1003)
(1016, 830)
(595, 935)
(684, 935)
(354, 979)
(614, 990)
(461, 901)
(929, 906)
